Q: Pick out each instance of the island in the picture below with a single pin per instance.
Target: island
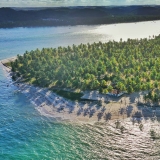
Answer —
(78, 15)
(90, 82)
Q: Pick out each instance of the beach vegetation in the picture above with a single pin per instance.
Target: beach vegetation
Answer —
(118, 124)
(154, 135)
(141, 127)
(152, 96)
(130, 66)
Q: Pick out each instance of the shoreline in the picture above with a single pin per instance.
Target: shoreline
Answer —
(79, 15)
(6, 60)
(127, 138)
(73, 25)
(49, 104)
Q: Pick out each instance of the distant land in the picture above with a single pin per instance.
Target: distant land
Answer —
(65, 16)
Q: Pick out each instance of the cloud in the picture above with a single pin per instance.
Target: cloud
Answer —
(56, 3)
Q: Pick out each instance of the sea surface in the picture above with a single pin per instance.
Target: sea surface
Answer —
(26, 135)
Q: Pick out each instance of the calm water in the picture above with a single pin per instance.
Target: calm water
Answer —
(25, 134)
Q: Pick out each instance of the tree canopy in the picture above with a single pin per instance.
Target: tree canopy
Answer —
(131, 65)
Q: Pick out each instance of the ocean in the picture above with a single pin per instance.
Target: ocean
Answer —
(26, 135)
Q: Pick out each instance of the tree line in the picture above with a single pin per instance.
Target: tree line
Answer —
(131, 65)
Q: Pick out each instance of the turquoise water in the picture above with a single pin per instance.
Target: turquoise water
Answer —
(25, 134)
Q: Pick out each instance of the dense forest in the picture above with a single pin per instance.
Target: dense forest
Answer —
(64, 16)
(131, 65)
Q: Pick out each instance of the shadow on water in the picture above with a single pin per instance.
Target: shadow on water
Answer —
(20, 98)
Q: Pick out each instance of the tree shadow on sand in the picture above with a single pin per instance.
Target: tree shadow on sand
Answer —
(80, 110)
(100, 115)
(86, 112)
(133, 97)
(92, 111)
(103, 109)
(71, 109)
(137, 116)
(107, 116)
(61, 108)
(121, 111)
(129, 110)
(148, 112)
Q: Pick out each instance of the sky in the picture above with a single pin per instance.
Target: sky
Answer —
(59, 3)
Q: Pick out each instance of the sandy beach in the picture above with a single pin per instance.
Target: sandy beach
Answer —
(36, 121)
(127, 107)
(52, 105)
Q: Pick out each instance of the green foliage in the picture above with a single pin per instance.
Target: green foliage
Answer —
(154, 135)
(118, 124)
(105, 91)
(128, 66)
(141, 127)
(8, 64)
(122, 129)
(110, 88)
(153, 96)
(14, 77)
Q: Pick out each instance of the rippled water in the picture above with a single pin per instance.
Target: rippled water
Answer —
(25, 134)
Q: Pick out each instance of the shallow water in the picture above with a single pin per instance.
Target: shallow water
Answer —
(25, 134)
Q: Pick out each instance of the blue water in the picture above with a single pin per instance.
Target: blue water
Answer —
(18, 40)
(26, 135)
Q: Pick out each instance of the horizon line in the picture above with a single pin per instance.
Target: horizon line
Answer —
(81, 6)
